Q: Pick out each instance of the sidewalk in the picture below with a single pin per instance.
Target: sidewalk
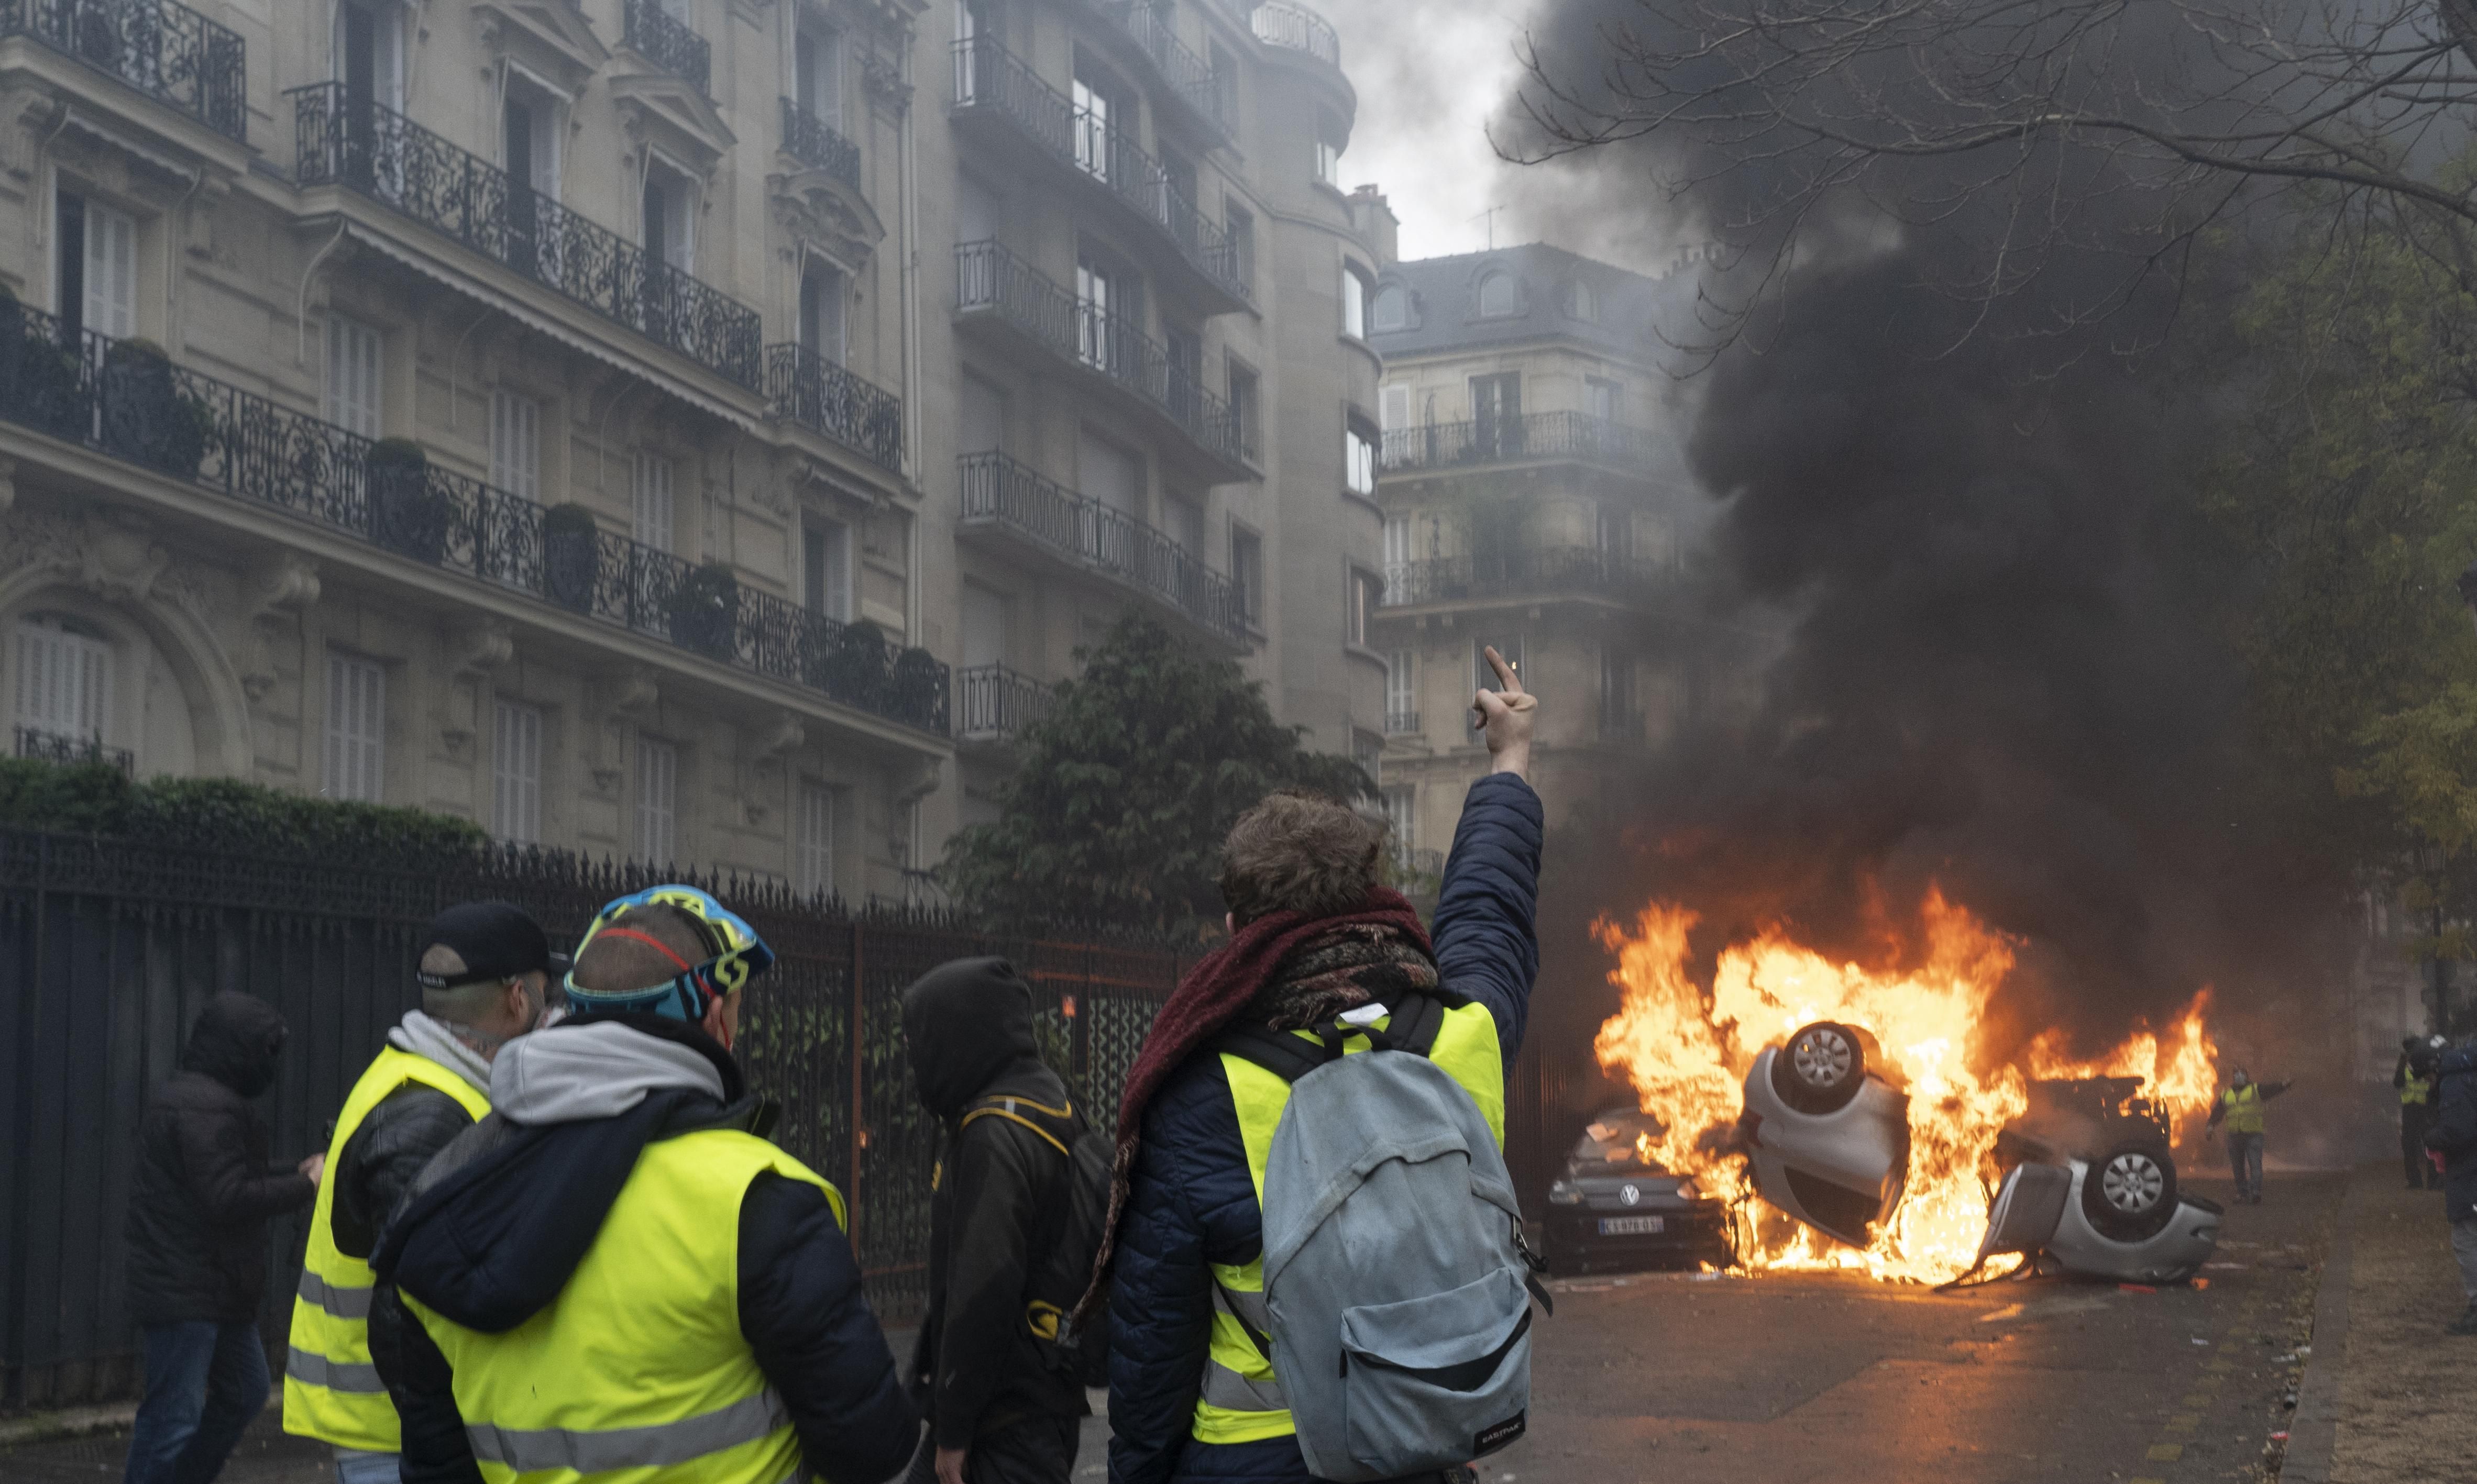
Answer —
(2403, 1387)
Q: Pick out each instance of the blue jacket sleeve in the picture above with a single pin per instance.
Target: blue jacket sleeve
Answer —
(1487, 935)
(804, 1316)
(1161, 1316)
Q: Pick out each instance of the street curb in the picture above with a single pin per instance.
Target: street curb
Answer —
(2313, 1432)
(68, 1422)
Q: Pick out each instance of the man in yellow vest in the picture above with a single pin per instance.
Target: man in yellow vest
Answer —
(2240, 1108)
(615, 1276)
(1193, 1398)
(2415, 1075)
(485, 971)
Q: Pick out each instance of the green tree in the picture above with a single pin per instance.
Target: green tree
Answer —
(1124, 791)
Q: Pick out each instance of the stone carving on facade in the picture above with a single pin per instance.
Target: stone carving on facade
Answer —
(285, 583)
(816, 210)
(119, 557)
(480, 646)
(553, 35)
(882, 75)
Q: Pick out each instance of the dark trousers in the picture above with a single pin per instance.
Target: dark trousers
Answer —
(2416, 1117)
(204, 1383)
(1036, 1450)
(2244, 1157)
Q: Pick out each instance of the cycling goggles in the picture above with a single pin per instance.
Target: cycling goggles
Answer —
(739, 954)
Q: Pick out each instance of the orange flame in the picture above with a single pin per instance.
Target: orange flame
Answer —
(1687, 1051)
(2181, 1073)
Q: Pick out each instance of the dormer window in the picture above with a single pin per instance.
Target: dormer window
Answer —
(1392, 310)
(1499, 294)
(1582, 301)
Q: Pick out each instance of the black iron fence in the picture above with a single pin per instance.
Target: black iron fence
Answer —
(126, 400)
(1000, 491)
(994, 701)
(811, 390)
(163, 49)
(33, 742)
(108, 951)
(1530, 571)
(668, 42)
(816, 143)
(377, 152)
(1298, 29)
(1193, 79)
(1531, 436)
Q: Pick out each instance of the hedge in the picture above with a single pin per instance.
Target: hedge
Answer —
(221, 814)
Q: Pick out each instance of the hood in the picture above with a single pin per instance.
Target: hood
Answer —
(237, 1041)
(582, 1070)
(964, 1024)
(419, 1036)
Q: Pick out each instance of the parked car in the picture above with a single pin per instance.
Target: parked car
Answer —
(1614, 1208)
(1826, 1128)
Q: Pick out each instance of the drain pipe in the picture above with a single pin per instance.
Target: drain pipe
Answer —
(301, 303)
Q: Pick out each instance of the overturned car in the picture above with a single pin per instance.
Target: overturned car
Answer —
(1826, 1127)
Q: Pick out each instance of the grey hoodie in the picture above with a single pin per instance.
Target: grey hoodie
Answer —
(598, 1070)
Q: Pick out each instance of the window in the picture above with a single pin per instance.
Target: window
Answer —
(1483, 675)
(1359, 457)
(1095, 288)
(1394, 408)
(98, 268)
(826, 567)
(1361, 597)
(1354, 303)
(1242, 407)
(1401, 701)
(356, 727)
(984, 421)
(1185, 520)
(1095, 141)
(816, 838)
(516, 444)
(1580, 301)
(823, 292)
(1392, 310)
(971, 28)
(516, 773)
(529, 152)
(658, 786)
(666, 216)
(1401, 804)
(652, 509)
(1110, 474)
(1330, 142)
(1616, 531)
(1499, 294)
(64, 680)
(1601, 398)
(352, 387)
(370, 45)
(816, 73)
(1247, 571)
(1186, 357)
(1496, 413)
(1241, 225)
(1398, 555)
(1619, 718)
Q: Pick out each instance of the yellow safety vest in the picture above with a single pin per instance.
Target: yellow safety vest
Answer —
(331, 1390)
(2244, 1108)
(2415, 1092)
(637, 1370)
(1241, 1402)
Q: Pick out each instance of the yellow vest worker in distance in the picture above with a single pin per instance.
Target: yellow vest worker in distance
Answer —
(617, 1278)
(485, 971)
(2240, 1108)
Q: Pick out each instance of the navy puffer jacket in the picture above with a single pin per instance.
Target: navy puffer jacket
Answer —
(1194, 1203)
(2454, 1131)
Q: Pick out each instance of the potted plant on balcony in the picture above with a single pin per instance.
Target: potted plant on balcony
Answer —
(571, 556)
(919, 685)
(705, 611)
(406, 516)
(146, 416)
(854, 667)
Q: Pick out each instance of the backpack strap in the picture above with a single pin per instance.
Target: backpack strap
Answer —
(1277, 1051)
(1412, 1024)
(1054, 1124)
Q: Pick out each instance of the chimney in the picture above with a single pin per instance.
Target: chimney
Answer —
(1373, 216)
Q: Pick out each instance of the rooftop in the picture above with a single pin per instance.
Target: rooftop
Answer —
(1553, 294)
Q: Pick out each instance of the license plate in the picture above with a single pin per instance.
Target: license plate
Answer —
(1633, 1225)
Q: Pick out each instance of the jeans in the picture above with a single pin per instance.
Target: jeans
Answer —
(355, 1467)
(205, 1382)
(2244, 1157)
(2464, 1246)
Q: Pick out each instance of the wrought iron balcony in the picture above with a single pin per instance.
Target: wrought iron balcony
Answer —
(993, 703)
(378, 153)
(811, 390)
(1529, 438)
(667, 42)
(55, 747)
(1398, 722)
(814, 143)
(998, 491)
(992, 280)
(1298, 29)
(1191, 77)
(1528, 571)
(165, 50)
(990, 80)
(128, 402)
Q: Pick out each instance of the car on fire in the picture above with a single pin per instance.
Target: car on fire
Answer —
(1826, 1129)
(1614, 1207)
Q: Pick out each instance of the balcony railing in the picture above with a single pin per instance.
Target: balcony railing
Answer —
(1522, 571)
(1530, 436)
(814, 143)
(993, 702)
(667, 42)
(1399, 722)
(990, 279)
(990, 78)
(55, 747)
(378, 153)
(132, 405)
(998, 491)
(811, 390)
(1298, 29)
(1191, 77)
(162, 49)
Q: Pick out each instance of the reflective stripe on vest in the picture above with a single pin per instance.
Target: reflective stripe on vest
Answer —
(1241, 1401)
(2415, 1092)
(2244, 1108)
(639, 1363)
(331, 1390)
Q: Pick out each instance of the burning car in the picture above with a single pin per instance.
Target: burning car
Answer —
(1826, 1128)
(2097, 1192)
(1614, 1206)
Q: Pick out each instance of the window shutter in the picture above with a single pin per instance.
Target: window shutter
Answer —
(516, 445)
(816, 837)
(516, 773)
(353, 372)
(654, 512)
(111, 272)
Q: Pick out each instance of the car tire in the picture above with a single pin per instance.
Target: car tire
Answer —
(2129, 1190)
(1820, 1069)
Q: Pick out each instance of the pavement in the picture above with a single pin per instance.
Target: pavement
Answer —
(1817, 1378)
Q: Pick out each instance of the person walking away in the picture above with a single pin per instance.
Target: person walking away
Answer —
(615, 1276)
(1193, 1397)
(485, 971)
(2414, 1077)
(999, 1411)
(2454, 1135)
(2240, 1108)
(198, 1244)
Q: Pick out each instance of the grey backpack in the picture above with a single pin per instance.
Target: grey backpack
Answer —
(1397, 1278)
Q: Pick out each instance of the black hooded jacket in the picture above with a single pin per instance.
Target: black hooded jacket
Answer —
(2455, 1133)
(204, 1193)
(968, 1027)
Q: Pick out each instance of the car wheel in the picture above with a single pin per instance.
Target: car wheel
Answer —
(1820, 1069)
(2129, 1192)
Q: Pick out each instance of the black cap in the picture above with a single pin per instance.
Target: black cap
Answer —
(497, 940)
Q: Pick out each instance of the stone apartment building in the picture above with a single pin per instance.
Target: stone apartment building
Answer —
(1532, 503)
(665, 428)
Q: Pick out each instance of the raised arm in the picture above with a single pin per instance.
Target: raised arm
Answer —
(1488, 943)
